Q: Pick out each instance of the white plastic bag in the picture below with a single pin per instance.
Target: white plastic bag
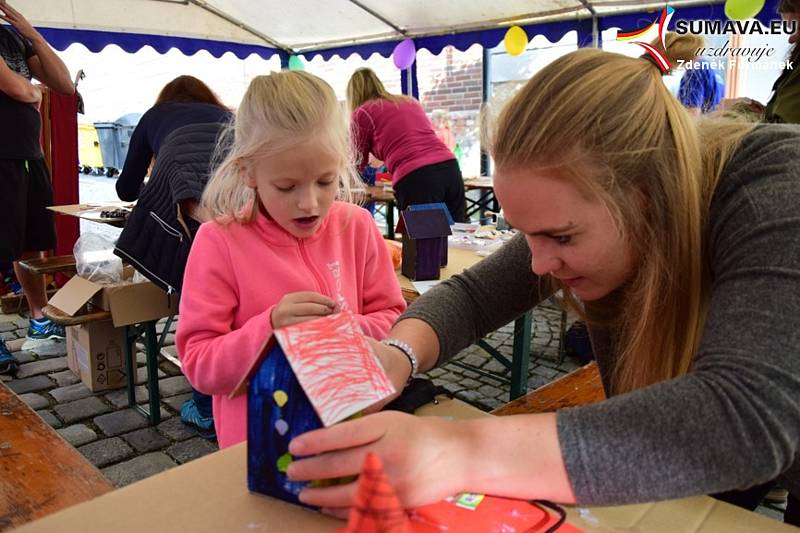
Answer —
(94, 255)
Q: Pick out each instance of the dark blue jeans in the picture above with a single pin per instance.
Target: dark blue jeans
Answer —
(203, 403)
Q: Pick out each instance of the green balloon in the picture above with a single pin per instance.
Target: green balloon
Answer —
(743, 9)
(295, 63)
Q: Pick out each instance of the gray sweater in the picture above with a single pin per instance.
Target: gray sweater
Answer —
(734, 420)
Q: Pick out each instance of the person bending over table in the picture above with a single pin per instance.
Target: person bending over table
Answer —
(678, 241)
(183, 101)
(396, 130)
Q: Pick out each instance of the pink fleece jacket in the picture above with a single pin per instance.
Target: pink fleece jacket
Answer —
(399, 134)
(237, 273)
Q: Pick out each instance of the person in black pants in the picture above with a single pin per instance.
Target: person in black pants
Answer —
(27, 226)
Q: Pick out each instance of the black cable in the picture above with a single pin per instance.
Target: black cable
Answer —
(562, 514)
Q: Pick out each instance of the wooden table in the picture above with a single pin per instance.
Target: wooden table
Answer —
(580, 387)
(169, 502)
(376, 193)
(487, 201)
(50, 264)
(40, 473)
(92, 211)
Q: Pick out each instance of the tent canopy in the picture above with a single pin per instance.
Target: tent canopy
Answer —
(330, 27)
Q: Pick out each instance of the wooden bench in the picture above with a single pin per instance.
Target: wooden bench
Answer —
(14, 303)
(580, 387)
(49, 265)
(40, 473)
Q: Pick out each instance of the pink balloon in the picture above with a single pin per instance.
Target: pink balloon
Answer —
(404, 54)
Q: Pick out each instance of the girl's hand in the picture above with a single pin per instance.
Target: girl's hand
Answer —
(425, 458)
(297, 307)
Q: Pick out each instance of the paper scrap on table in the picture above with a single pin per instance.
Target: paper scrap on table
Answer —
(422, 286)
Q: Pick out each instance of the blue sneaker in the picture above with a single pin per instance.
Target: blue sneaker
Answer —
(8, 363)
(45, 329)
(203, 424)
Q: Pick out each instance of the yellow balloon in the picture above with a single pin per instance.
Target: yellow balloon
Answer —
(743, 9)
(515, 40)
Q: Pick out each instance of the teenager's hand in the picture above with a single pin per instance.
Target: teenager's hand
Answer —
(297, 307)
(425, 458)
(20, 23)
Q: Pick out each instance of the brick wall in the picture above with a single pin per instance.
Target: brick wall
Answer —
(451, 81)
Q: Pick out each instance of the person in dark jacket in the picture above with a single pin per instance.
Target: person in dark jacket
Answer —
(159, 232)
(183, 101)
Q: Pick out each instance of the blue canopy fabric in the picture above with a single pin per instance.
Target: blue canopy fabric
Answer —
(554, 31)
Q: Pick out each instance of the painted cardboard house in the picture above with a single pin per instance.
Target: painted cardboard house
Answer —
(306, 376)
(425, 234)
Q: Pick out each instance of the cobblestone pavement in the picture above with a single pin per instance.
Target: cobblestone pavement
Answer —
(125, 448)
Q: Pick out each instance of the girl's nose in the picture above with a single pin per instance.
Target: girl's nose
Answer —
(307, 200)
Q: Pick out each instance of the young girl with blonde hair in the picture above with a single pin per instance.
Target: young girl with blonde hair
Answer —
(281, 249)
(678, 241)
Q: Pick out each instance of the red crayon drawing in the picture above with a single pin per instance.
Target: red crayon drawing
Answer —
(335, 366)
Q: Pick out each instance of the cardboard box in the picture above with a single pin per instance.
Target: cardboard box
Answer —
(163, 503)
(96, 354)
(128, 303)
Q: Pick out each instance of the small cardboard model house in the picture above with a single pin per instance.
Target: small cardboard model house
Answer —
(450, 222)
(308, 375)
(424, 242)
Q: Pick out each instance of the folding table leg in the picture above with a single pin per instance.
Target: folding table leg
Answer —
(153, 413)
(130, 364)
(390, 220)
(521, 355)
(151, 343)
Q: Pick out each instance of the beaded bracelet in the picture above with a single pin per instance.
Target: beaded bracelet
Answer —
(407, 351)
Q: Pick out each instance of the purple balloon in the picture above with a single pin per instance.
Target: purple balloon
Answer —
(404, 54)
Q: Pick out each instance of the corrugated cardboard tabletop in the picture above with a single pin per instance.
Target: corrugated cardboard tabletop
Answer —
(210, 494)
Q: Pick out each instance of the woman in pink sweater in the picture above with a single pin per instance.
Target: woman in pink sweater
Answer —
(280, 249)
(396, 130)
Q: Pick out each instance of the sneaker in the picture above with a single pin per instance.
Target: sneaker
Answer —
(41, 331)
(203, 424)
(8, 363)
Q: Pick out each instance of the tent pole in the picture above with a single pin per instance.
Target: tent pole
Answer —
(487, 89)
